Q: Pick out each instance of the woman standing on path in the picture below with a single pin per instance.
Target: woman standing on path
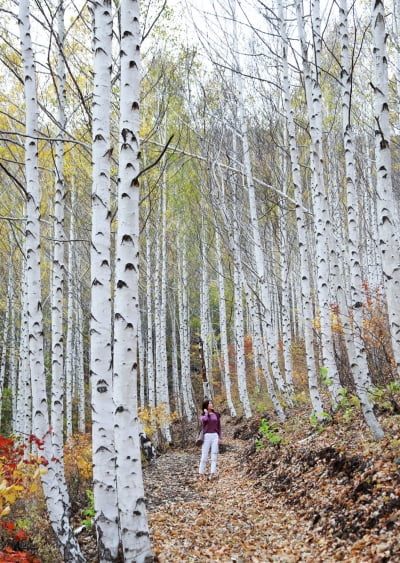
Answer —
(211, 422)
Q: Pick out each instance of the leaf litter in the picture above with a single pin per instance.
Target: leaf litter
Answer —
(320, 497)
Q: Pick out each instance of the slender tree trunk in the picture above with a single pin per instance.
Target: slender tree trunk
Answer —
(69, 351)
(142, 362)
(225, 367)
(184, 331)
(134, 533)
(58, 269)
(151, 384)
(388, 219)
(205, 332)
(239, 315)
(176, 388)
(359, 366)
(6, 332)
(324, 247)
(80, 371)
(57, 504)
(12, 362)
(101, 370)
(162, 394)
(23, 416)
(258, 250)
(306, 300)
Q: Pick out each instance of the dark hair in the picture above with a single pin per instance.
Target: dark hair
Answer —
(205, 404)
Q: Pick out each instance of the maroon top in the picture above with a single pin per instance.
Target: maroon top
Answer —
(211, 423)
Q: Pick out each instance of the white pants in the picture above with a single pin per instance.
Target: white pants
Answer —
(210, 441)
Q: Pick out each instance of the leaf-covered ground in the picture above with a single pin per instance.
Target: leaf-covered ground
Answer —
(294, 493)
(325, 496)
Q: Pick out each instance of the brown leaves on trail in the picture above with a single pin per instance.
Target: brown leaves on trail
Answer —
(325, 499)
(223, 522)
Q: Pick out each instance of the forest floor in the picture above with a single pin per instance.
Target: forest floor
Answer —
(323, 495)
(292, 492)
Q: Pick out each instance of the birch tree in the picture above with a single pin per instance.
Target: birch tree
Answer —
(151, 383)
(388, 219)
(6, 334)
(359, 365)
(101, 369)
(134, 533)
(184, 328)
(57, 285)
(301, 223)
(225, 366)
(57, 503)
(319, 197)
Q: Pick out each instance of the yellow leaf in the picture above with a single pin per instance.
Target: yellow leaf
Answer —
(5, 511)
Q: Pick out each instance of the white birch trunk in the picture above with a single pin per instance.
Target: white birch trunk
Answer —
(388, 219)
(163, 320)
(372, 256)
(306, 301)
(6, 331)
(58, 268)
(57, 504)
(205, 332)
(184, 331)
(359, 366)
(142, 361)
(101, 372)
(80, 371)
(176, 390)
(134, 533)
(12, 362)
(239, 315)
(285, 313)
(225, 367)
(259, 350)
(151, 383)
(23, 417)
(69, 351)
(321, 212)
(162, 394)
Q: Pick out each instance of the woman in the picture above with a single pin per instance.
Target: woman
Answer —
(211, 421)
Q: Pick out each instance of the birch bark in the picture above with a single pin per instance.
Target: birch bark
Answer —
(225, 367)
(184, 330)
(57, 504)
(6, 334)
(134, 533)
(162, 394)
(205, 332)
(238, 311)
(306, 301)
(58, 268)
(320, 207)
(359, 365)
(69, 351)
(23, 416)
(101, 371)
(388, 219)
(151, 384)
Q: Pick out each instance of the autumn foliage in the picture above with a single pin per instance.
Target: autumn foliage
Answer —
(19, 470)
(19, 476)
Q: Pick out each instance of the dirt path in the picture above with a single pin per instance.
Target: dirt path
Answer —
(226, 520)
